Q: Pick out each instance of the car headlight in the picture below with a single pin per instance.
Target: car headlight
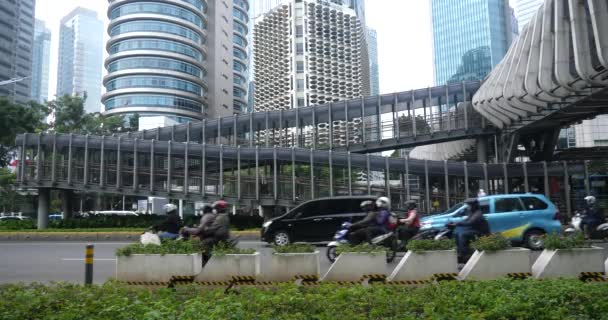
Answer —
(267, 224)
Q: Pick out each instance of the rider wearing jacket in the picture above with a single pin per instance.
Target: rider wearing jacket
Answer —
(358, 231)
(466, 230)
(593, 216)
(206, 221)
(169, 228)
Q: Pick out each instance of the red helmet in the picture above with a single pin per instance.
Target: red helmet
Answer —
(220, 206)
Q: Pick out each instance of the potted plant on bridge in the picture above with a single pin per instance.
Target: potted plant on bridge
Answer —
(154, 263)
(354, 262)
(287, 262)
(426, 258)
(495, 258)
(567, 256)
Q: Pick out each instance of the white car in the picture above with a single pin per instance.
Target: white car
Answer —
(115, 213)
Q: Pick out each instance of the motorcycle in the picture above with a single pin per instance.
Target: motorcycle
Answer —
(388, 240)
(575, 226)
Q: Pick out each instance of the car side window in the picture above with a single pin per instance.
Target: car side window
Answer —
(507, 205)
(534, 203)
(329, 207)
(307, 210)
(484, 206)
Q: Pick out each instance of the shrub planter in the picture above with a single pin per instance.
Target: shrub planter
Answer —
(568, 263)
(285, 266)
(486, 265)
(351, 266)
(423, 265)
(224, 267)
(156, 267)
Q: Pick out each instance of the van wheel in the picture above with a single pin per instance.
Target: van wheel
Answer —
(281, 238)
(533, 239)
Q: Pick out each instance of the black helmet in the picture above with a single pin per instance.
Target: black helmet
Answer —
(411, 204)
(368, 205)
(472, 202)
(207, 209)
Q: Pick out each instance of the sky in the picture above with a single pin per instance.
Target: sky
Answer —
(405, 51)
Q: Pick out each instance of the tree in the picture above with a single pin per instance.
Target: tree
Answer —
(70, 117)
(134, 122)
(17, 119)
(9, 198)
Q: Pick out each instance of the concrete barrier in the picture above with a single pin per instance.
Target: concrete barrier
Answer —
(568, 263)
(156, 267)
(423, 265)
(285, 266)
(485, 265)
(223, 268)
(351, 266)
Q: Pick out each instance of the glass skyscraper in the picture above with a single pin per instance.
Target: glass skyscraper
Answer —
(81, 57)
(524, 11)
(374, 71)
(40, 62)
(470, 37)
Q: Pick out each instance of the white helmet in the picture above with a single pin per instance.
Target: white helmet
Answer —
(481, 193)
(169, 207)
(383, 202)
(590, 200)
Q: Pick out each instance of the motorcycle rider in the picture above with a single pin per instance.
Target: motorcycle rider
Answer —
(169, 228)
(466, 230)
(409, 226)
(593, 216)
(206, 220)
(357, 231)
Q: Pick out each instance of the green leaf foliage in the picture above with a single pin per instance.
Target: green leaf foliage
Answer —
(491, 243)
(500, 299)
(224, 248)
(360, 248)
(294, 248)
(419, 246)
(166, 247)
(556, 241)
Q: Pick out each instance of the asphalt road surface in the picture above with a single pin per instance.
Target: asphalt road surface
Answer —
(64, 261)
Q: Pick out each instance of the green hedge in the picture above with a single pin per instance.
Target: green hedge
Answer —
(238, 222)
(503, 299)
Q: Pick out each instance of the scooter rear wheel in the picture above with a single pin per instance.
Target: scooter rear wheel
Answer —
(331, 254)
(392, 249)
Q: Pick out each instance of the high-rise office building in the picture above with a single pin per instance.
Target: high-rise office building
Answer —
(16, 42)
(374, 71)
(41, 62)
(525, 10)
(469, 37)
(81, 57)
(308, 53)
(181, 60)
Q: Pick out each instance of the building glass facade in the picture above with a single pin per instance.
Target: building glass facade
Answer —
(469, 37)
(372, 48)
(40, 62)
(81, 57)
(16, 46)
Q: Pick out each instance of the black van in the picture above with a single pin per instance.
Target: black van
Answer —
(314, 221)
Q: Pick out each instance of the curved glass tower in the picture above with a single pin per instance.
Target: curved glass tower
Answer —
(157, 54)
(241, 57)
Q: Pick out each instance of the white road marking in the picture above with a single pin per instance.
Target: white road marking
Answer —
(52, 243)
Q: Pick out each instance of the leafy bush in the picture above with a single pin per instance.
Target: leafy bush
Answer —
(491, 243)
(295, 248)
(166, 247)
(224, 248)
(360, 248)
(17, 224)
(556, 241)
(501, 299)
(418, 246)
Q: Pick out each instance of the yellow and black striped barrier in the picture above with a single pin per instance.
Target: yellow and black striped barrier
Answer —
(88, 264)
(445, 276)
(306, 279)
(367, 279)
(593, 277)
(409, 282)
(180, 280)
(147, 283)
(519, 275)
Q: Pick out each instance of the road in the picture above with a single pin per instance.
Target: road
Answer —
(64, 261)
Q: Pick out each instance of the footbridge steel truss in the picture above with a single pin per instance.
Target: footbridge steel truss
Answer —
(262, 176)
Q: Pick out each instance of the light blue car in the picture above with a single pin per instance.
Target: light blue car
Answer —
(519, 217)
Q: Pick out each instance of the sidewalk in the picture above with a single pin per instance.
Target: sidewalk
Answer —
(96, 236)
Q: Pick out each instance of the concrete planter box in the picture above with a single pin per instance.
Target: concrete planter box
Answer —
(285, 266)
(351, 266)
(423, 265)
(568, 263)
(485, 265)
(223, 268)
(156, 267)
